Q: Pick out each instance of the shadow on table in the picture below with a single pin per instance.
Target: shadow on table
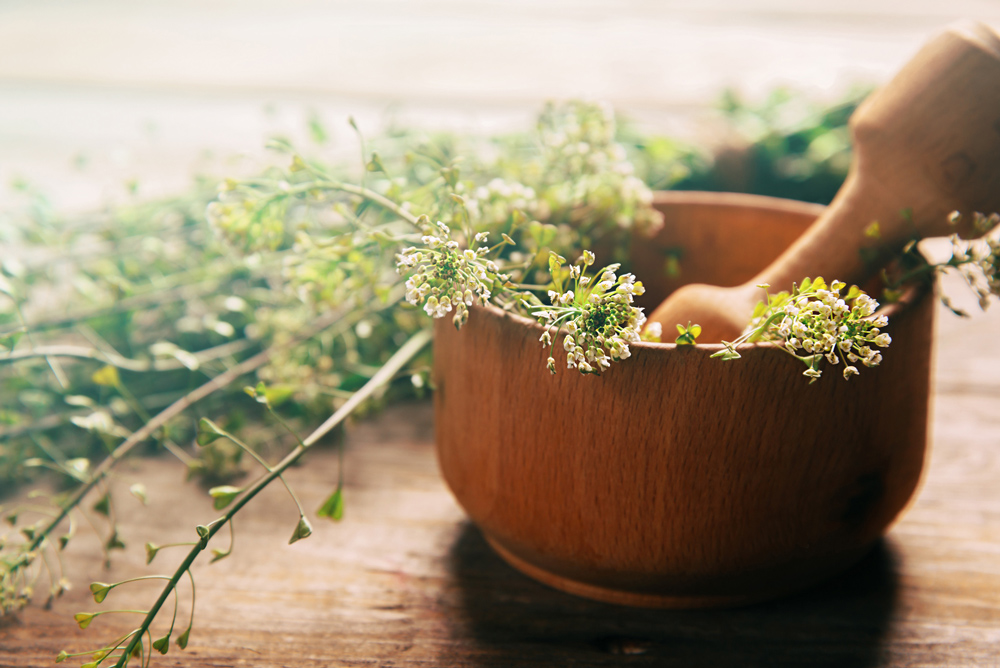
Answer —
(515, 621)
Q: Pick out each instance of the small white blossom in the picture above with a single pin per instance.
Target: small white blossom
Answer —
(823, 325)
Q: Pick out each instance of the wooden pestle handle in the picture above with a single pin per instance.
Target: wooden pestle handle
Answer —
(927, 142)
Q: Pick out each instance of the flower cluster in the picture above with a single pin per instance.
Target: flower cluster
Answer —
(597, 314)
(815, 323)
(497, 201)
(446, 277)
(250, 219)
(979, 260)
(588, 171)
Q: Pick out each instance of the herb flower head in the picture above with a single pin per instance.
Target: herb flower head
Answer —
(445, 277)
(979, 260)
(816, 324)
(596, 312)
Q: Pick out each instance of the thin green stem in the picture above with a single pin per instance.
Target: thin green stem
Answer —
(399, 359)
(82, 352)
(57, 370)
(176, 408)
(361, 191)
(139, 578)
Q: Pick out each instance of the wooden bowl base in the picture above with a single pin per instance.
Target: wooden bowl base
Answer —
(828, 569)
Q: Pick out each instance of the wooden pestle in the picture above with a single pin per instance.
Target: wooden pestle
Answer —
(927, 142)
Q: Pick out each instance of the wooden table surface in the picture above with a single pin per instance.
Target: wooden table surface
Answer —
(405, 580)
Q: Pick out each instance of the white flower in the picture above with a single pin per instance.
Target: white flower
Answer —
(865, 305)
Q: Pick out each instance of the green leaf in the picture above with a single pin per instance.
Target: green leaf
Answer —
(100, 591)
(688, 335)
(83, 619)
(208, 432)
(727, 354)
(555, 263)
(107, 377)
(302, 530)
(182, 639)
(103, 505)
(218, 555)
(203, 531)
(224, 495)
(63, 655)
(279, 394)
(333, 507)
(114, 541)
(151, 550)
(162, 645)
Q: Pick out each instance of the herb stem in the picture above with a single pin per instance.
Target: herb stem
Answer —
(176, 408)
(124, 363)
(388, 371)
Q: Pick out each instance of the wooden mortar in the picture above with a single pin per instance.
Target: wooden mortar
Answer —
(676, 480)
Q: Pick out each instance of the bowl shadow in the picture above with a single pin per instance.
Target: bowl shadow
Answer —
(513, 620)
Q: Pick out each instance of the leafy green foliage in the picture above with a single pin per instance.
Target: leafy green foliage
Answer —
(785, 146)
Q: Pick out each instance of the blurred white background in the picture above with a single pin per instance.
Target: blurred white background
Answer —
(96, 95)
